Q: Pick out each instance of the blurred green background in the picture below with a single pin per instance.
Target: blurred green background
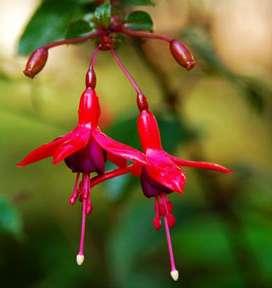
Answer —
(219, 112)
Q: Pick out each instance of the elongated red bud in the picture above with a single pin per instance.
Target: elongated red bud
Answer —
(142, 102)
(90, 79)
(182, 54)
(36, 62)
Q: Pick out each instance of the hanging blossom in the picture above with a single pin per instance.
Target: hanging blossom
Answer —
(160, 173)
(82, 153)
(86, 148)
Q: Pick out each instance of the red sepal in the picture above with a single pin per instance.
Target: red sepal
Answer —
(117, 148)
(163, 169)
(201, 165)
(59, 148)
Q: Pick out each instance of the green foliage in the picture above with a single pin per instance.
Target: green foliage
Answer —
(49, 23)
(138, 2)
(78, 28)
(139, 20)
(102, 15)
(10, 220)
(125, 253)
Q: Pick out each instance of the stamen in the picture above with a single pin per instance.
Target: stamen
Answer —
(174, 272)
(157, 218)
(85, 199)
(75, 193)
(80, 255)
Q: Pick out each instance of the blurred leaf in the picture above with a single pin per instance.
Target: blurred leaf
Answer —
(125, 252)
(124, 130)
(49, 23)
(10, 220)
(209, 230)
(254, 90)
(102, 15)
(258, 234)
(199, 40)
(138, 2)
(139, 20)
(174, 132)
(78, 28)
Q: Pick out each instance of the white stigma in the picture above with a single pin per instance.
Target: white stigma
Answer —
(79, 259)
(174, 274)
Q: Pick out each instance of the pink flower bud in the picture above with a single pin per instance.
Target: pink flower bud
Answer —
(182, 54)
(36, 62)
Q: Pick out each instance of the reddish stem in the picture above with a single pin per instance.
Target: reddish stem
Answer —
(143, 34)
(126, 72)
(72, 40)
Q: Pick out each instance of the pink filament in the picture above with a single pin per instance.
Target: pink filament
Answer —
(75, 192)
(83, 225)
(169, 244)
(85, 198)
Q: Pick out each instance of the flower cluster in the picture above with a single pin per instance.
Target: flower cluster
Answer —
(86, 148)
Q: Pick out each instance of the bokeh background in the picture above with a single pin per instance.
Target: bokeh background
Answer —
(219, 112)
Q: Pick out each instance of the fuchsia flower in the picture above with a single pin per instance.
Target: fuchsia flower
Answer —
(82, 153)
(160, 173)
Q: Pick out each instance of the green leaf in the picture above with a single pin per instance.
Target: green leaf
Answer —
(138, 2)
(174, 133)
(124, 252)
(49, 23)
(204, 229)
(78, 28)
(139, 20)
(102, 15)
(10, 220)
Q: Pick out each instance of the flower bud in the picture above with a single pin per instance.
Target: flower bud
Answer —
(36, 62)
(182, 54)
(90, 79)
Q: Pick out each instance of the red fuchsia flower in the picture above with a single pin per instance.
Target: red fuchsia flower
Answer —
(161, 174)
(82, 153)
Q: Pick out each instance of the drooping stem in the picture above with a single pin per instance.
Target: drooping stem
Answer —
(142, 34)
(72, 40)
(94, 56)
(126, 72)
